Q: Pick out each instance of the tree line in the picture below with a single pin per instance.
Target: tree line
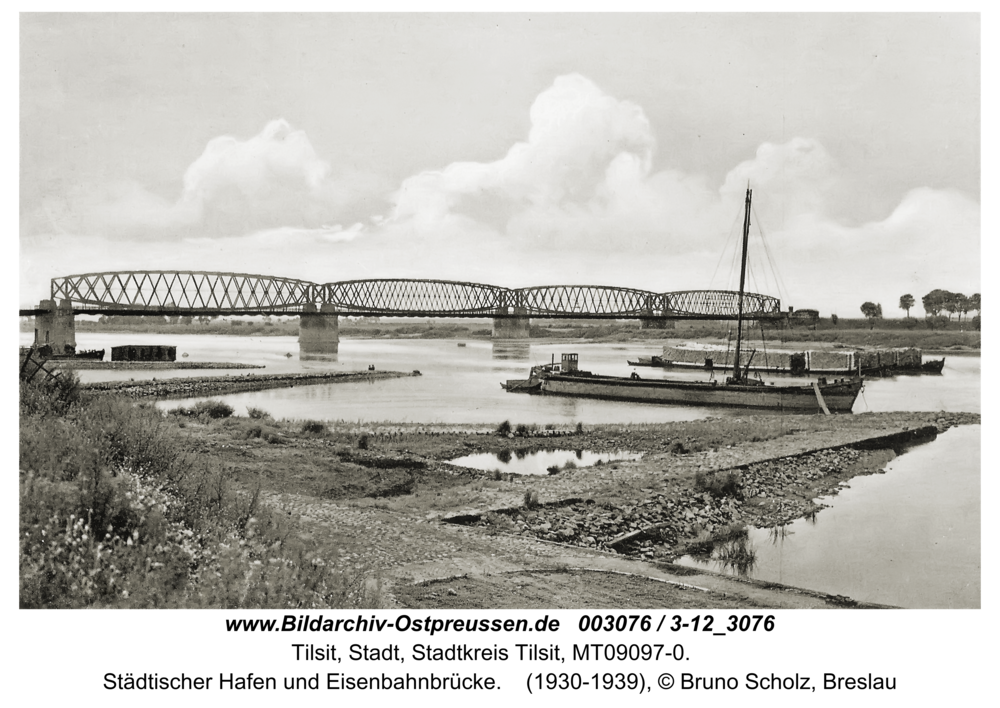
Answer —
(935, 302)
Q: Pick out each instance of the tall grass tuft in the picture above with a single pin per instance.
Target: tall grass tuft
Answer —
(114, 512)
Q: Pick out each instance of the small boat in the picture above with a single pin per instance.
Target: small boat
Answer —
(566, 379)
(97, 354)
(932, 367)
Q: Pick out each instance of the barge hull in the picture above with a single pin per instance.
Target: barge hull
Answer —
(838, 397)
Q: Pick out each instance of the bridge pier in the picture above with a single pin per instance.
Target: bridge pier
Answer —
(319, 332)
(56, 328)
(514, 326)
(656, 323)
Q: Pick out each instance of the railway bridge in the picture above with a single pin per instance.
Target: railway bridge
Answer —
(318, 306)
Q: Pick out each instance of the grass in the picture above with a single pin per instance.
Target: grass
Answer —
(724, 483)
(116, 511)
(211, 408)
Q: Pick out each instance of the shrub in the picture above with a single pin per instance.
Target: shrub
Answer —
(313, 427)
(257, 413)
(579, 428)
(504, 428)
(114, 513)
(54, 395)
(725, 483)
(530, 498)
(212, 409)
(677, 448)
(363, 442)
(521, 429)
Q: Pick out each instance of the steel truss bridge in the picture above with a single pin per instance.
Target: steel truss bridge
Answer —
(179, 292)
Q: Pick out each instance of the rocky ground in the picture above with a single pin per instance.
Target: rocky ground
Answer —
(384, 500)
(215, 385)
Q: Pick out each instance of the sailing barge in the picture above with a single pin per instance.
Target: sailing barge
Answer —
(566, 379)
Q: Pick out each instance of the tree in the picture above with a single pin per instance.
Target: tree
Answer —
(974, 302)
(962, 305)
(872, 312)
(906, 302)
(952, 303)
(935, 300)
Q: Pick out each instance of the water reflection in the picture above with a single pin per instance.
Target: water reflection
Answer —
(919, 520)
(736, 554)
(511, 350)
(318, 356)
(539, 462)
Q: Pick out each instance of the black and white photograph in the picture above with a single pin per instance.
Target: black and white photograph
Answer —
(443, 311)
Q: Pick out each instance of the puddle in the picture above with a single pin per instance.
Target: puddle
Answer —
(539, 462)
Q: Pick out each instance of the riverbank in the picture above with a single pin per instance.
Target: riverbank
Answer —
(217, 385)
(383, 497)
(144, 365)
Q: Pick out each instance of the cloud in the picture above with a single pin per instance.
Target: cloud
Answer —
(584, 179)
(579, 200)
(272, 180)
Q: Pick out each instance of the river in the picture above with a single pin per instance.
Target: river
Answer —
(461, 384)
(910, 537)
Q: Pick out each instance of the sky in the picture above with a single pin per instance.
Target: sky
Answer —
(509, 149)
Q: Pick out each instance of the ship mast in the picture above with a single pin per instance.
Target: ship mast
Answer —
(737, 372)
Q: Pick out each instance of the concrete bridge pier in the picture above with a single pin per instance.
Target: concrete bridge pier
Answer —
(516, 325)
(656, 323)
(319, 332)
(56, 328)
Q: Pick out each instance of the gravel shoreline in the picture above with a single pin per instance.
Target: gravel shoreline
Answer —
(664, 515)
(213, 385)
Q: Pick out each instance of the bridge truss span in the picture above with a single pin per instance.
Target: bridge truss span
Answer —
(601, 301)
(404, 297)
(217, 293)
(183, 291)
(719, 304)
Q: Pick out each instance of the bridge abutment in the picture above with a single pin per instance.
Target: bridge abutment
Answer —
(56, 328)
(514, 326)
(319, 331)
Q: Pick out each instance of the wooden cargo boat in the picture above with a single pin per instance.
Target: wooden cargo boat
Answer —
(565, 379)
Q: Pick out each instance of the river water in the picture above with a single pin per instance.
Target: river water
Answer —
(461, 384)
(910, 537)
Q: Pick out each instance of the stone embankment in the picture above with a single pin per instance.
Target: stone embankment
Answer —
(144, 365)
(215, 385)
(665, 518)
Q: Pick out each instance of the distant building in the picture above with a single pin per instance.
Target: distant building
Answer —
(803, 318)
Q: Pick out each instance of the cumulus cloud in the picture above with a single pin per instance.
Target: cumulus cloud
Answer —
(584, 178)
(579, 200)
(272, 180)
